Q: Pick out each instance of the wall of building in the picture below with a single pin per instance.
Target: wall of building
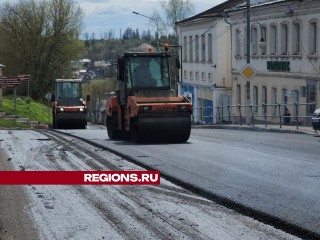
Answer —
(207, 67)
(288, 69)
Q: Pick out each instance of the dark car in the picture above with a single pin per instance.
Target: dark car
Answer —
(316, 119)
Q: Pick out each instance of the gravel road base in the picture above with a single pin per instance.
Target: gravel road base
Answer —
(14, 221)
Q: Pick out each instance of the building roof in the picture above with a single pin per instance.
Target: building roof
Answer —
(216, 11)
(144, 47)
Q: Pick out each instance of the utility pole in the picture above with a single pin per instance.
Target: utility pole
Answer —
(248, 102)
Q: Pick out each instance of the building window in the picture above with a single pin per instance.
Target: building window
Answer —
(284, 98)
(295, 98)
(190, 75)
(254, 41)
(239, 93)
(264, 98)
(209, 47)
(185, 74)
(209, 77)
(296, 38)
(237, 46)
(273, 40)
(190, 49)
(313, 37)
(255, 99)
(185, 55)
(311, 95)
(263, 51)
(274, 100)
(196, 43)
(197, 75)
(203, 76)
(203, 48)
(284, 38)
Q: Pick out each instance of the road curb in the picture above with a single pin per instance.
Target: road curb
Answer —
(252, 128)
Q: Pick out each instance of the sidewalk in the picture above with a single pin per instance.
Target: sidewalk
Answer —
(262, 127)
(257, 127)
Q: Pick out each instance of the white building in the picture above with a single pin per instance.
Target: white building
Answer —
(288, 68)
(206, 61)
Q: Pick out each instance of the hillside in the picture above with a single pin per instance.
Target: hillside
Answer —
(25, 108)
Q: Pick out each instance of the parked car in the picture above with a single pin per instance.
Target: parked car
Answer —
(316, 119)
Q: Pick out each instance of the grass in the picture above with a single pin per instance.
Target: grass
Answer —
(25, 108)
(11, 124)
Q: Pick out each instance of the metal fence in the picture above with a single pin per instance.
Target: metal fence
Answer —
(267, 114)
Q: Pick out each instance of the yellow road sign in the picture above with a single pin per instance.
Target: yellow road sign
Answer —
(248, 72)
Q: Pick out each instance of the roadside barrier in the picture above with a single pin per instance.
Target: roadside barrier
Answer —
(267, 114)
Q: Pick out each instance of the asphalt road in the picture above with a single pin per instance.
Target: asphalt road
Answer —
(273, 173)
(77, 212)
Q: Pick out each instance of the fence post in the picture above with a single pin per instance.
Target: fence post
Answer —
(212, 115)
(239, 107)
(297, 118)
(252, 118)
(229, 117)
(264, 114)
(280, 120)
(218, 117)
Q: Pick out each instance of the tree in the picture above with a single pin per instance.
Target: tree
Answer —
(146, 36)
(137, 34)
(158, 25)
(97, 89)
(40, 38)
(86, 40)
(128, 33)
(175, 11)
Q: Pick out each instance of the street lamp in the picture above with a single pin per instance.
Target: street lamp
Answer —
(262, 43)
(153, 19)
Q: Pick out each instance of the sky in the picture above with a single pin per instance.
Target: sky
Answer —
(104, 15)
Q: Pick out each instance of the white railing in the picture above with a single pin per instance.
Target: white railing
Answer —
(263, 114)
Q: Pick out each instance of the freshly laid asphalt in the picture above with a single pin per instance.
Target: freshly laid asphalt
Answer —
(242, 170)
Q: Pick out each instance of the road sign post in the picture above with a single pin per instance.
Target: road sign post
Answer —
(12, 82)
(248, 69)
(248, 73)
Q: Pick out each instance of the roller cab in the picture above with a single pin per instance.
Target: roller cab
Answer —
(145, 107)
